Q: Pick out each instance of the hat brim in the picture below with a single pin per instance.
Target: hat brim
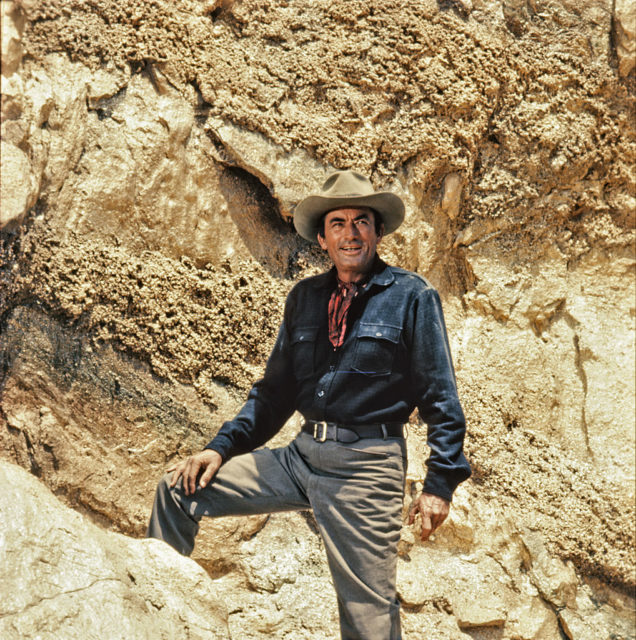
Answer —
(309, 211)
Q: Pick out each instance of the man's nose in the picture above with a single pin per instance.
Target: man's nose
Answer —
(352, 230)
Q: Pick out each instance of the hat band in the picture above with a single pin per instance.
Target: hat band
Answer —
(347, 195)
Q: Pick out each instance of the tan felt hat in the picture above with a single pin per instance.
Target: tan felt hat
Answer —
(347, 189)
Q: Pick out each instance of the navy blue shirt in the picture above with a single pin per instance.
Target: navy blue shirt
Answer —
(395, 357)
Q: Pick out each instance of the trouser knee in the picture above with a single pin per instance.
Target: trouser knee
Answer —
(170, 520)
(163, 486)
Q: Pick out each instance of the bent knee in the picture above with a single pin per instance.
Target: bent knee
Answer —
(164, 485)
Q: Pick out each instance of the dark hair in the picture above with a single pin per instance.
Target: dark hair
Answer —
(377, 221)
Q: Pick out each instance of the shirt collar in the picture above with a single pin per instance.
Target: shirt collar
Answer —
(382, 274)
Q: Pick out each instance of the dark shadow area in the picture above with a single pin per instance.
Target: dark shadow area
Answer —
(272, 241)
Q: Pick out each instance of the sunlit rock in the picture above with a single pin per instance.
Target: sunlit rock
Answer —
(63, 576)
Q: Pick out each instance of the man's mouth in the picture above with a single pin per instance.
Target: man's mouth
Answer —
(351, 249)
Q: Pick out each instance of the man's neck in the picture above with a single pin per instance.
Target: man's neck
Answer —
(354, 278)
(358, 277)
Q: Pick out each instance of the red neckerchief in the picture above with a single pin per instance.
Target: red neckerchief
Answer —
(339, 304)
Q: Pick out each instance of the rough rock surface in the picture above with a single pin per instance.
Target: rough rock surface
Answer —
(63, 577)
(152, 154)
(625, 35)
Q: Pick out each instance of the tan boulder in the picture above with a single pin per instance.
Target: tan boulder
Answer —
(64, 577)
(593, 618)
(625, 35)
(283, 587)
(555, 580)
(532, 619)
(19, 192)
(12, 26)
(475, 589)
(12, 99)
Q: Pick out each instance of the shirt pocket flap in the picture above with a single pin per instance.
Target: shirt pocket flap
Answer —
(379, 331)
(304, 334)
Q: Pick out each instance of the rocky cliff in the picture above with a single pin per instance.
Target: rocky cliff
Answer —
(64, 577)
(152, 154)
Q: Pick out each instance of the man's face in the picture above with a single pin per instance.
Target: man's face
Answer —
(350, 240)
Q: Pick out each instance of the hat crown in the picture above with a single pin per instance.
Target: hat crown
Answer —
(344, 189)
(346, 183)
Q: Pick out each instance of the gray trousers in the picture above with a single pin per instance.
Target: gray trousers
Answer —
(355, 491)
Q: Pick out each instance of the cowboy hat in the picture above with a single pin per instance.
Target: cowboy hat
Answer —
(346, 189)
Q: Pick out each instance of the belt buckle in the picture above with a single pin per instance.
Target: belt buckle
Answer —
(323, 436)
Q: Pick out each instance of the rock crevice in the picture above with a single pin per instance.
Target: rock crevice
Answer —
(152, 157)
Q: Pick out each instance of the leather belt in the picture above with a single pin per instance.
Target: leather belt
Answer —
(322, 431)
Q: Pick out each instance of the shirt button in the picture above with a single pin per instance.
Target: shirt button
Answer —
(378, 334)
(321, 394)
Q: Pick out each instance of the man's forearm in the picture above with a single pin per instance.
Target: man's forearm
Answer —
(261, 417)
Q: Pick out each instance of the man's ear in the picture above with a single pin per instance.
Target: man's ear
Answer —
(380, 234)
(321, 241)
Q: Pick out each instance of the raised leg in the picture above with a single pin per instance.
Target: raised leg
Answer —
(263, 481)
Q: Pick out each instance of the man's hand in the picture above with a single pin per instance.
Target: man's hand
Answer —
(206, 462)
(433, 511)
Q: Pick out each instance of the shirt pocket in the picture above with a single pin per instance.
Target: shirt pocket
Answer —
(303, 343)
(375, 348)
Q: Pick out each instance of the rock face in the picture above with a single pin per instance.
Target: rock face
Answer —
(64, 577)
(152, 155)
(625, 35)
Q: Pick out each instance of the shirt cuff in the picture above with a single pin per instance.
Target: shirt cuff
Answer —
(440, 485)
(222, 445)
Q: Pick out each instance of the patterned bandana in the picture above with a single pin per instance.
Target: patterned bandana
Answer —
(339, 304)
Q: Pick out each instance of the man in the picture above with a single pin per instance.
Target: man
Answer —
(359, 348)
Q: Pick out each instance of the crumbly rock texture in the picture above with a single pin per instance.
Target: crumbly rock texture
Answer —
(152, 155)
